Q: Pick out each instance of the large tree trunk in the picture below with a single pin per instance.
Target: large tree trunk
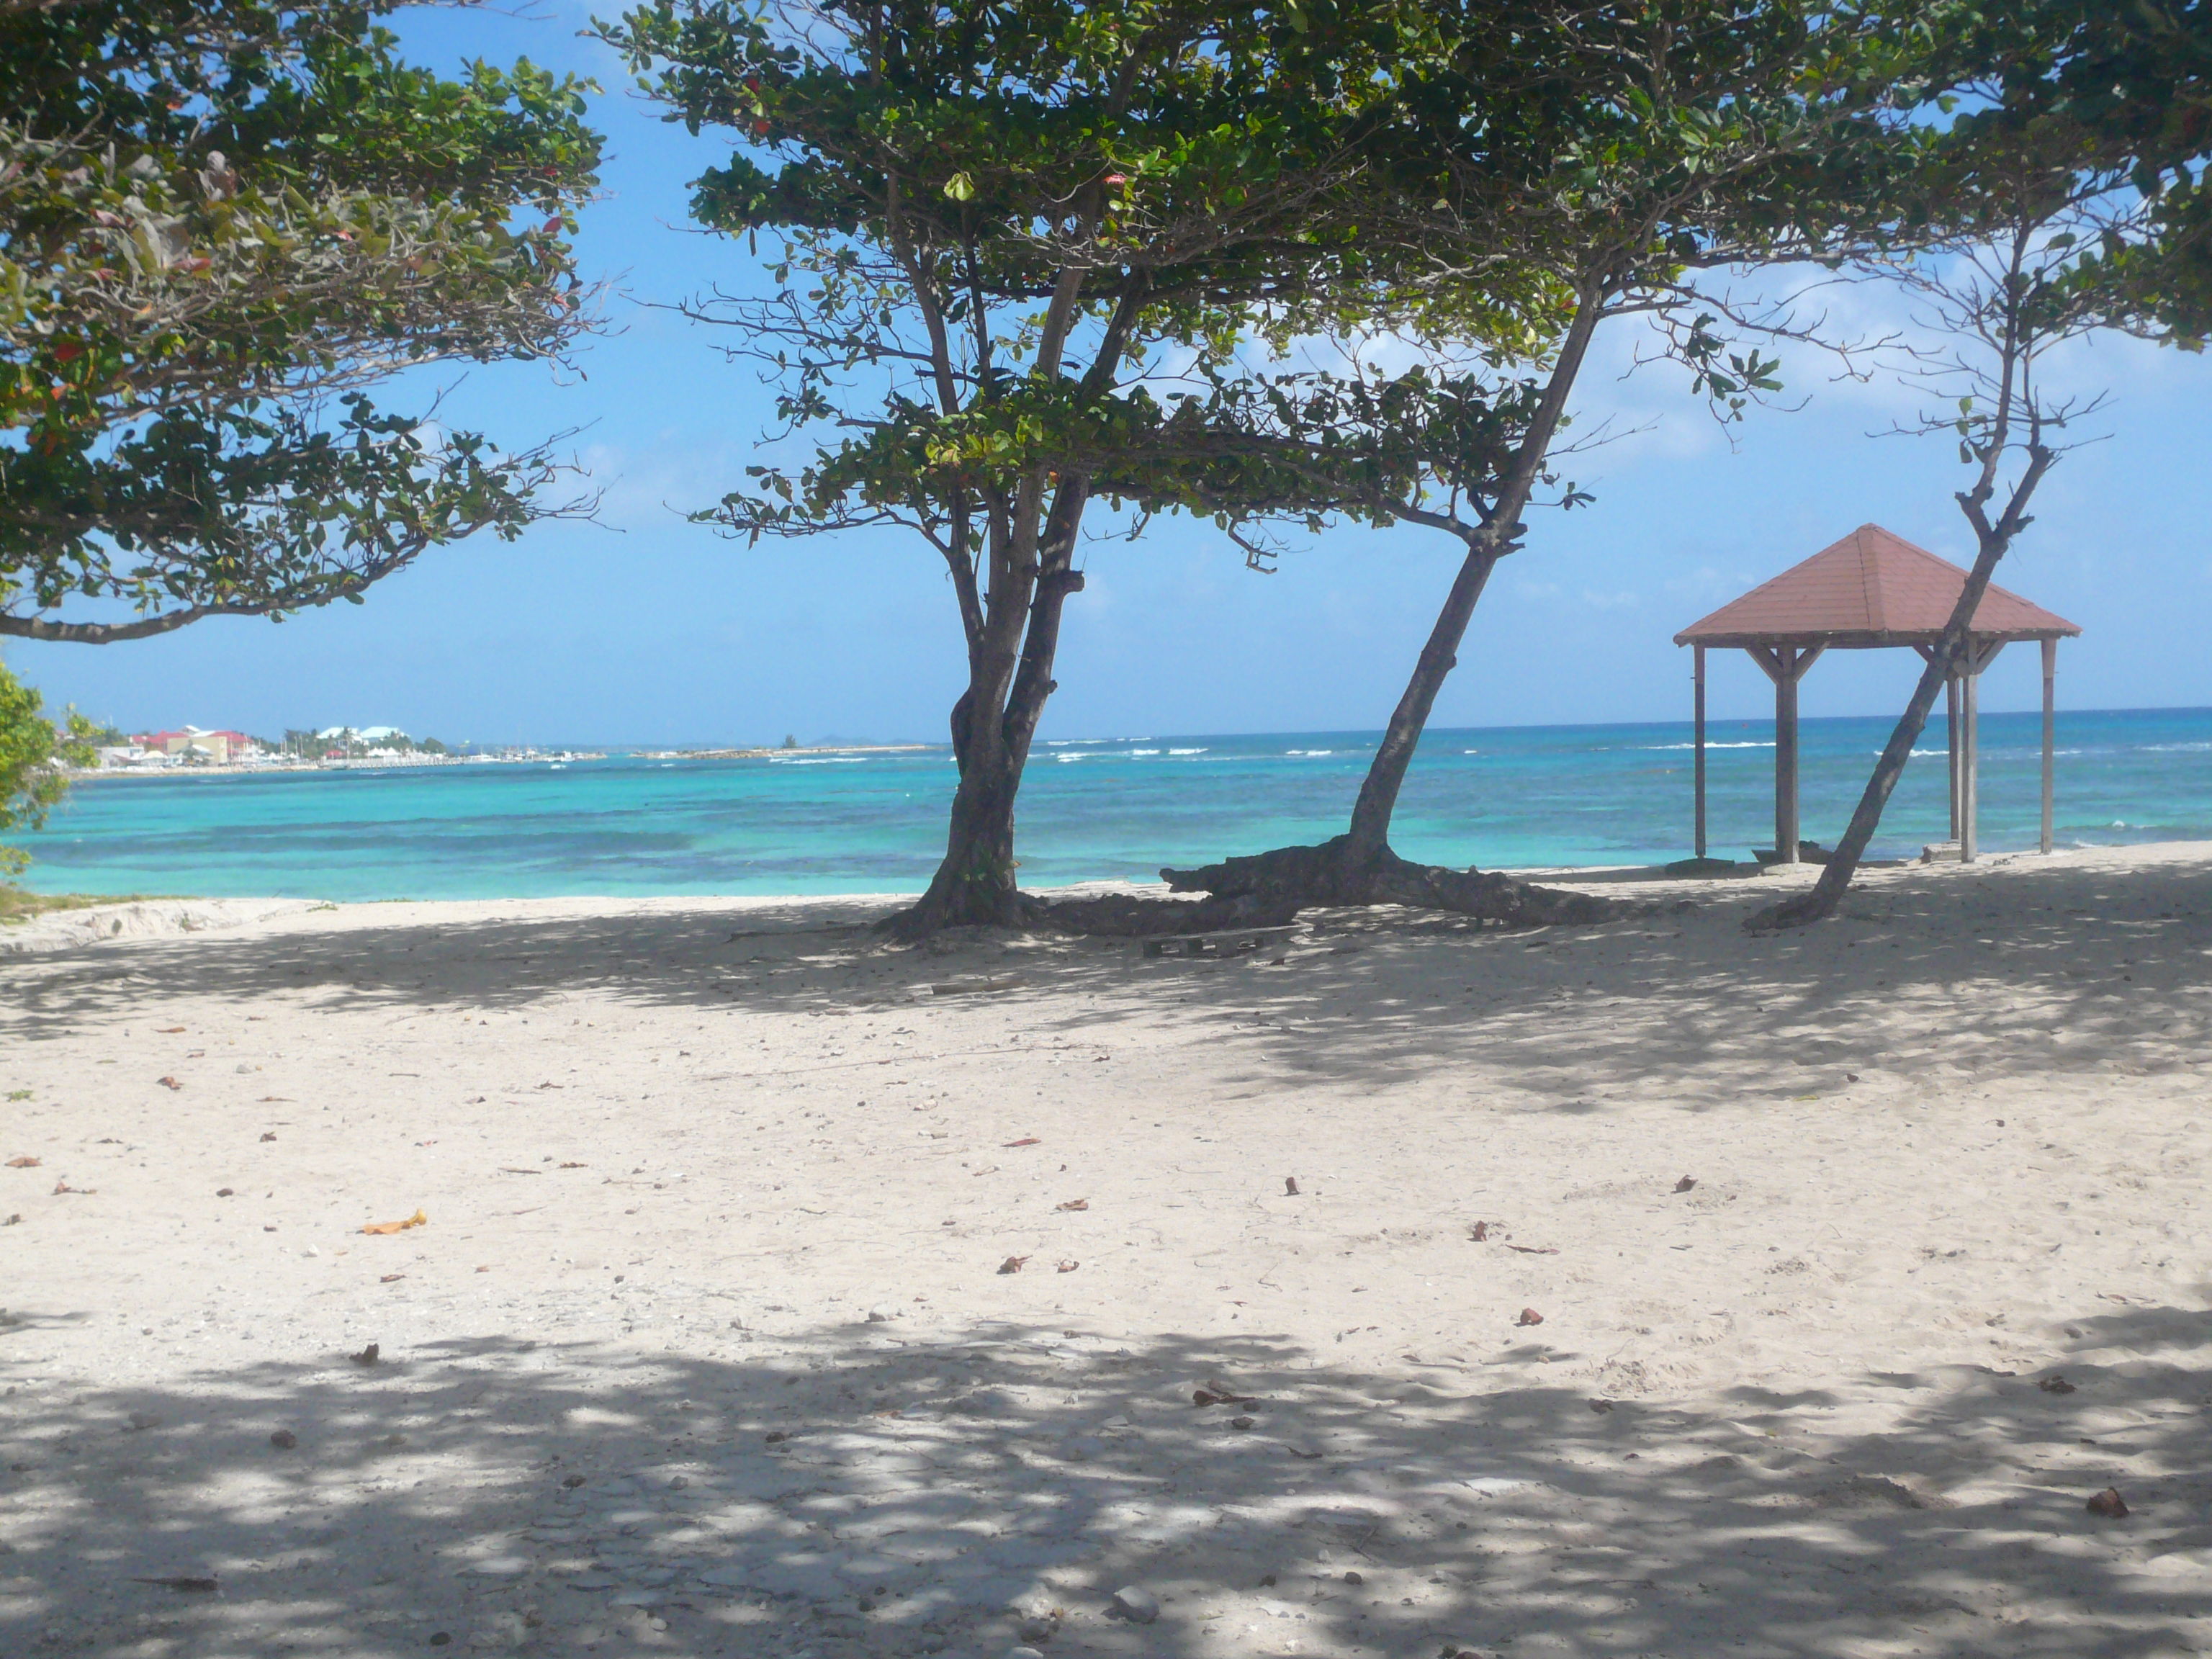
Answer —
(1013, 636)
(994, 724)
(974, 882)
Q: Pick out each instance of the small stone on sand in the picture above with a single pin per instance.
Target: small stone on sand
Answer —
(1139, 1607)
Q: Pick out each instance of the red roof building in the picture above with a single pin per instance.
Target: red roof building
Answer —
(221, 747)
(1870, 591)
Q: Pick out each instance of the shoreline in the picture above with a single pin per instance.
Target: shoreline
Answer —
(88, 915)
(412, 763)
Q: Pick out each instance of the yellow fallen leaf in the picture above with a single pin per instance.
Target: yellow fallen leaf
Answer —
(417, 1219)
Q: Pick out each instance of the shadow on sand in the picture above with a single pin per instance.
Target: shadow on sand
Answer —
(2024, 968)
(858, 1492)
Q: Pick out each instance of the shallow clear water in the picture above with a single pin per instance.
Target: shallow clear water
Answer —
(1504, 798)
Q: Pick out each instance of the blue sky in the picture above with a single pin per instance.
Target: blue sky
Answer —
(643, 628)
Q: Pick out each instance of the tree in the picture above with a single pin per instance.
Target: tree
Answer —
(1634, 152)
(2084, 166)
(222, 224)
(32, 753)
(988, 223)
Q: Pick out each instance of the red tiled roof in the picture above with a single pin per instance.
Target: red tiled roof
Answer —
(1871, 588)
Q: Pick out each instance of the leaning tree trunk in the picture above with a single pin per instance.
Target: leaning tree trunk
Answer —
(1370, 834)
(1359, 867)
(1950, 652)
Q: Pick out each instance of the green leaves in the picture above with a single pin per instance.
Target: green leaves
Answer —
(216, 217)
(254, 515)
(32, 751)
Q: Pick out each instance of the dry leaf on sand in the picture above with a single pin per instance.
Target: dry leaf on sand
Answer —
(417, 1219)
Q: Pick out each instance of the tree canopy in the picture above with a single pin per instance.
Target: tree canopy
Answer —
(222, 225)
(990, 229)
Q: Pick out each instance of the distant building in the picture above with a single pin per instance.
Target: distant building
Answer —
(190, 742)
(364, 742)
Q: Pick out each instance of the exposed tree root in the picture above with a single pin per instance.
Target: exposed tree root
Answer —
(1802, 911)
(1121, 915)
(1115, 915)
(1327, 875)
(925, 918)
(1268, 890)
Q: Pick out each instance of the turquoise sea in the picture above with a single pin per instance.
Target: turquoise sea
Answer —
(1505, 798)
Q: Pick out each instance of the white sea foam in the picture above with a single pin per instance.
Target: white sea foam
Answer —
(1769, 743)
(1309, 751)
(1144, 752)
(1186, 751)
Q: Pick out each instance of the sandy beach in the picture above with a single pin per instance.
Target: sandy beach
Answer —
(1646, 1289)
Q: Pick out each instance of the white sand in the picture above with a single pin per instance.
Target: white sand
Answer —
(136, 919)
(1944, 1150)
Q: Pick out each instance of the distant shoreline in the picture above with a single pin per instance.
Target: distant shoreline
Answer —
(557, 757)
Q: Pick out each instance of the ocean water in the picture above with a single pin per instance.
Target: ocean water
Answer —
(1505, 798)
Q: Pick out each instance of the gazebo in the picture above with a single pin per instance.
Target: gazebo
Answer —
(1869, 591)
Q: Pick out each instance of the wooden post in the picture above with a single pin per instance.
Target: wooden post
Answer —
(1970, 706)
(1785, 664)
(1952, 753)
(2050, 731)
(1698, 701)
(1785, 757)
